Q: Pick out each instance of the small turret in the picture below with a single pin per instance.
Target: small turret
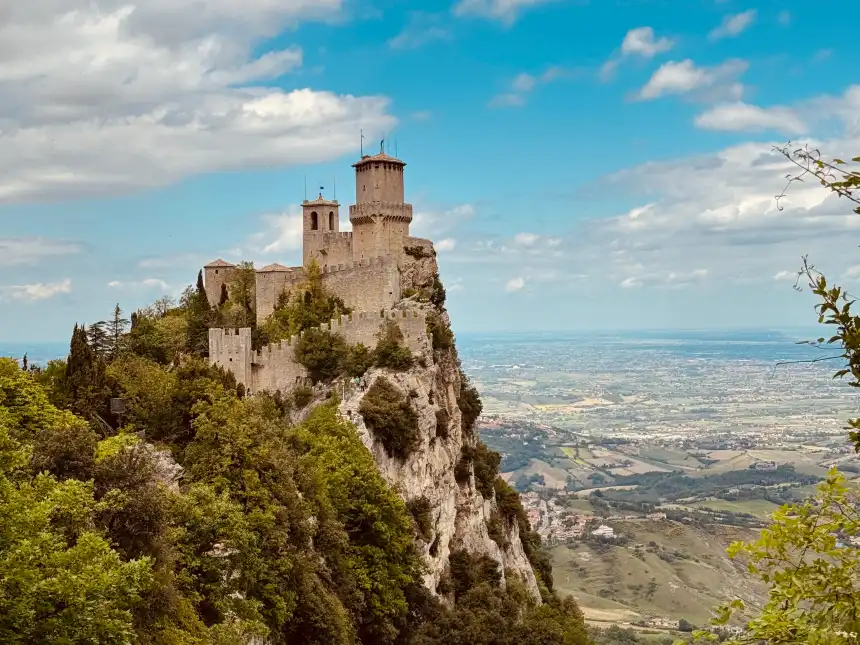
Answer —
(319, 216)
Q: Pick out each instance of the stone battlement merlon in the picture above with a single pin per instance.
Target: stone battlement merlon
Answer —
(367, 262)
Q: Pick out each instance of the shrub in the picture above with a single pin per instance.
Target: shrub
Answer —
(65, 451)
(358, 360)
(322, 353)
(442, 421)
(301, 396)
(468, 571)
(420, 510)
(463, 469)
(417, 252)
(469, 402)
(388, 414)
(440, 334)
(496, 530)
(437, 292)
(486, 465)
(390, 351)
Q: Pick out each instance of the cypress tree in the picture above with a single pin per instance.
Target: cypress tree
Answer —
(199, 315)
(115, 329)
(84, 379)
(224, 295)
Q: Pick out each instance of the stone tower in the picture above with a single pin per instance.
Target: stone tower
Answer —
(321, 224)
(380, 218)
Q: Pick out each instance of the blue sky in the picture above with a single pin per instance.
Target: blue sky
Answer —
(581, 165)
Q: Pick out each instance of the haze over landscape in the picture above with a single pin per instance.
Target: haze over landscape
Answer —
(478, 321)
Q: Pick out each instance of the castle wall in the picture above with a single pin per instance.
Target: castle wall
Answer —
(213, 278)
(378, 228)
(328, 249)
(275, 368)
(231, 349)
(370, 285)
(270, 284)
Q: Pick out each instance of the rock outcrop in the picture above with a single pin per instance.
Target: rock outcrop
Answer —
(460, 514)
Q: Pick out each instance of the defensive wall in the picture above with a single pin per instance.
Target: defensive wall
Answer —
(328, 249)
(275, 367)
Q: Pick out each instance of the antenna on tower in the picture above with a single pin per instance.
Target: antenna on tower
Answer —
(362, 143)
(395, 146)
(334, 185)
(382, 145)
(306, 188)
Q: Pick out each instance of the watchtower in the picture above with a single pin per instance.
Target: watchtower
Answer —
(380, 218)
(320, 216)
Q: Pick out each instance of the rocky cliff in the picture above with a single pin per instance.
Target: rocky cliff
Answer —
(436, 472)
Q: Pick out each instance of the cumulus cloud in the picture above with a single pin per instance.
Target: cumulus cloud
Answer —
(35, 291)
(28, 251)
(109, 96)
(433, 223)
(446, 244)
(734, 25)
(525, 239)
(505, 11)
(523, 84)
(683, 77)
(640, 42)
(515, 284)
(742, 117)
(421, 29)
(146, 283)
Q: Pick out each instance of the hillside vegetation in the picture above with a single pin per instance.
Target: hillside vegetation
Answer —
(202, 516)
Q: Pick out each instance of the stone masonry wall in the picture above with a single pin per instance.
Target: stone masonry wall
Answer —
(213, 278)
(328, 249)
(275, 368)
(370, 285)
(269, 286)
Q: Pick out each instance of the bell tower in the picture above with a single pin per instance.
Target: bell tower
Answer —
(380, 218)
(320, 218)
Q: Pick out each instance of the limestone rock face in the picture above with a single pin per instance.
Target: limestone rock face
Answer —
(459, 512)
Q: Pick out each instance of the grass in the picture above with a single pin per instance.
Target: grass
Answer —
(760, 508)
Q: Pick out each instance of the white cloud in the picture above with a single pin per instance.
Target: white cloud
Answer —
(36, 291)
(505, 11)
(515, 284)
(642, 42)
(742, 117)
(146, 283)
(421, 29)
(108, 96)
(782, 276)
(734, 25)
(668, 279)
(282, 232)
(525, 239)
(523, 84)
(446, 244)
(28, 251)
(431, 223)
(682, 77)
(851, 273)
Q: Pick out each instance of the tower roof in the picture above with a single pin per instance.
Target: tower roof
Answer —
(273, 267)
(322, 201)
(219, 263)
(377, 158)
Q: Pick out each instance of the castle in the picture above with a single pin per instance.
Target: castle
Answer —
(365, 268)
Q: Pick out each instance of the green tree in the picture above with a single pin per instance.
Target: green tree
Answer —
(115, 328)
(84, 377)
(198, 314)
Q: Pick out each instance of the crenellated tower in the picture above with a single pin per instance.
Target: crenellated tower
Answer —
(380, 218)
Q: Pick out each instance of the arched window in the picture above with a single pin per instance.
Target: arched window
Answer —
(331, 221)
(314, 221)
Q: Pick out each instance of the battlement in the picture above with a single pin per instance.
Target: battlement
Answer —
(274, 367)
(367, 262)
(363, 212)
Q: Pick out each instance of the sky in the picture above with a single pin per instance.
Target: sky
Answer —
(580, 165)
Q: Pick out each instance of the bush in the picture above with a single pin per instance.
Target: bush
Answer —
(420, 511)
(469, 570)
(301, 396)
(486, 465)
(358, 360)
(322, 353)
(417, 252)
(388, 414)
(440, 334)
(496, 530)
(463, 469)
(66, 451)
(437, 292)
(390, 351)
(442, 421)
(469, 402)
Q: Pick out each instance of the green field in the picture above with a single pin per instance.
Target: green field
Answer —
(760, 508)
(617, 585)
